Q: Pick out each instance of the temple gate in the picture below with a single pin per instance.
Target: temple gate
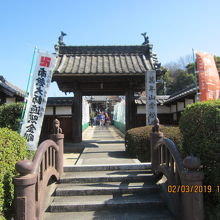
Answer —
(103, 70)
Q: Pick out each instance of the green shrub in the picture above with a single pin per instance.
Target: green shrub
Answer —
(200, 127)
(12, 149)
(137, 140)
(10, 115)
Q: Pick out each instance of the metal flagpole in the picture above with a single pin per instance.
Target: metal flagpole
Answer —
(195, 76)
(27, 88)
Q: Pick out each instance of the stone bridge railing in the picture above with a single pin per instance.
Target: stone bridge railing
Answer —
(30, 185)
(184, 179)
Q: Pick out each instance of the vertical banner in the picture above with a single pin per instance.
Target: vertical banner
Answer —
(151, 105)
(37, 99)
(209, 83)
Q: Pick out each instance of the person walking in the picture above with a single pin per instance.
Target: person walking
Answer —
(91, 121)
(95, 120)
(92, 115)
(102, 119)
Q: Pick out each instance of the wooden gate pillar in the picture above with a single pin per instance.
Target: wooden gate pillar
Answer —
(77, 117)
(130, 115)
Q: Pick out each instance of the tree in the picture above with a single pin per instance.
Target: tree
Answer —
(181, 80)
(180, 75)
(10, 116)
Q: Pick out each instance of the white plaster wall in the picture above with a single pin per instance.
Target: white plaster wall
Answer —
(141, 109)
(188, 101)
(85, 112)
(173, 108)
(10, 100)
(49, 111)
(119, 112)
(180, 106)
(63, 110)
(161, 109)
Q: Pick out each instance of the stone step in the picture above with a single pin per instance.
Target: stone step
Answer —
(112, 214)
(107, 176)
(107, 188)
(80, 168)
(100, 202)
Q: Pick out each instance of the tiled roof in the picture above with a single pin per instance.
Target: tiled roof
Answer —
(114, 60)
(181, 94)
(60, 101)
(10, 89)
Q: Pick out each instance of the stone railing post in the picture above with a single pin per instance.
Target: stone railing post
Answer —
(155, 135)
(192, 177)
(26, 193)
(58, 138)
(25, 203)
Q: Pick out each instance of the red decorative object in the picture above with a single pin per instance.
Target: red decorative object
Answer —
(45, 61)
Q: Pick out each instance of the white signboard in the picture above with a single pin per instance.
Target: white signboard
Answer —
(151, 104)
(37, 99)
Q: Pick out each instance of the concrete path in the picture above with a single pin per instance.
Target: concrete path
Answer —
(103, 145)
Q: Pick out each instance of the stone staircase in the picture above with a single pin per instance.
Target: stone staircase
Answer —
(107, 192)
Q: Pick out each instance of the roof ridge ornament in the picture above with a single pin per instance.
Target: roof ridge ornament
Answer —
(60, 41)
(2, 79)
(153, 56)
(146, 38)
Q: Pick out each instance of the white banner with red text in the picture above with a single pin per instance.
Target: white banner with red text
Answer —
(37, 99)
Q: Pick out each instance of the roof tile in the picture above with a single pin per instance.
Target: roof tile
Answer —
(82, 64)
(88, 64)
(94, 64)
(106, 68)
(103, 60)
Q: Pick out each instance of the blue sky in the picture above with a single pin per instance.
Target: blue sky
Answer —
(174, 27)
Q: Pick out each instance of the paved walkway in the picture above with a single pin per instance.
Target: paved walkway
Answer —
(103, 145)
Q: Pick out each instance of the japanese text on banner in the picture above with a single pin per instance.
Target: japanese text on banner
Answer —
(209, 83)
(37, 99)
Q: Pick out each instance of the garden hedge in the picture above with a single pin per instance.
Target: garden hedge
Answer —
(10, 116)
(200, 127)
(137, 140)
(12, 149)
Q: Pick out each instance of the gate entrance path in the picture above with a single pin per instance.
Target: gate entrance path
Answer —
(104, 145)
(106, 184)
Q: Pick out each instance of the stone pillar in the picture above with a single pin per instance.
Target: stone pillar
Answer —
(192, 202)
(25, 204)
(130, 114)
(77, 118)
(58, 139)
(151, 103)
(155, 136)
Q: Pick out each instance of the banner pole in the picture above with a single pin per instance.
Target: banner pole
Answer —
(27, 88)
(195, 75)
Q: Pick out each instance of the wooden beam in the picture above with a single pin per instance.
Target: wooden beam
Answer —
(77, 118)
(130, 109)
(99, 83)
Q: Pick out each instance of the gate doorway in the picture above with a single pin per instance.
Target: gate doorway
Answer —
(102, 70)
